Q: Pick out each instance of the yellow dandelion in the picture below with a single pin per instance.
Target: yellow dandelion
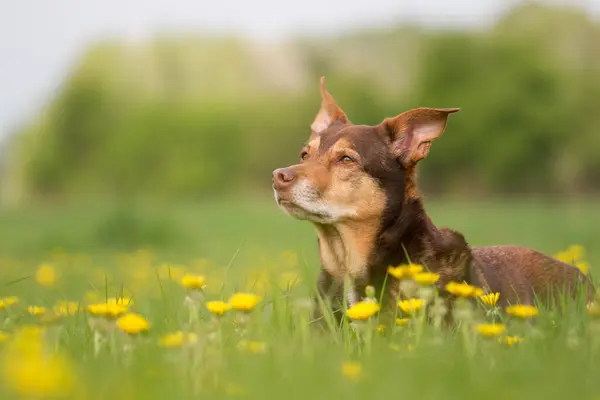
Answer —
(490, 299)
(352, 370)
(218, 307)
(426, 278)
(490, 330)
(36, 311)
(66, 308)
(510, 340)
(463, 289)
(405, 271)
(363, 310)
(46, 275)
(522, 311)
(411, 306)
(11, 300)
(244, 301)
(193, 282)
(252, 346)
(133, 324)
(380, 328)
(178, 339)
(576, 251)
(583, 267)
(107, 310)
(402, 321)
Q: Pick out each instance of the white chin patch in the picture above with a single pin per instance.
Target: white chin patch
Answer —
(306, 204)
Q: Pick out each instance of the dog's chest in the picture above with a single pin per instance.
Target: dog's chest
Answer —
(339, 258)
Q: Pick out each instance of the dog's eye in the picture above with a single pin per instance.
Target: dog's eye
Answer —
(346, 160)
(303, 155)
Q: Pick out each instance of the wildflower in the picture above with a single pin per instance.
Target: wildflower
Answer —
(107, 310)
(218, 307)
(463, 289)
(363, 310)
(522, 311)
(177, 339)
(510, 340)
(402, 321)
(490, 299)
(193, 282)
(380, 328)
(66, 308)
(133, 324)
(244, 301)
(490, 330)
(426, 278)
(29, 372)
(252, 346)
(11, 300)
(36, 311)
(583, 267)
(46, 275)
(352, 370)
(405, 271)
(576, 251)
(411, 306)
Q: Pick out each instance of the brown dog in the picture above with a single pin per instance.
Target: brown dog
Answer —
(357, 185)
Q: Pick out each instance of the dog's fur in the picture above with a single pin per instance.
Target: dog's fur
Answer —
(357, 185)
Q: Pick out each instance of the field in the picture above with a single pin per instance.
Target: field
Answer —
(138, 254)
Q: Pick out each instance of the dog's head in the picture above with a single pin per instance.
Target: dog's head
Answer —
(351, 172)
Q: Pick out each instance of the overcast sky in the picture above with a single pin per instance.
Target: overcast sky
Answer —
(40, 39)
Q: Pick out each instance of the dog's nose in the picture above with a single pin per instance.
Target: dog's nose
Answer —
(283, 177)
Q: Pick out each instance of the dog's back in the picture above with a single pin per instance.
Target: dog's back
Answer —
(524, 272)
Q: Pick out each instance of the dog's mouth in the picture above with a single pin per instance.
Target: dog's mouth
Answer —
(294, 210)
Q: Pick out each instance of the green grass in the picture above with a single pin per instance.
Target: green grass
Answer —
(238, 245)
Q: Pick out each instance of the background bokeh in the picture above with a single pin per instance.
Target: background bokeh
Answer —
(168, 141)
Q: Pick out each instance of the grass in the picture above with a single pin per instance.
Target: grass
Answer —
(94, 252)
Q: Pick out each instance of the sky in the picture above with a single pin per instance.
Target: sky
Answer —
(41, 39)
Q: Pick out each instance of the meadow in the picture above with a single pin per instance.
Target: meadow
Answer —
(106, 300)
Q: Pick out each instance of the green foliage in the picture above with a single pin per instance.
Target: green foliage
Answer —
(195, 117)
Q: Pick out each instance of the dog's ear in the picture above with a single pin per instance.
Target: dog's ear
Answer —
(411, 133)
(329, 113)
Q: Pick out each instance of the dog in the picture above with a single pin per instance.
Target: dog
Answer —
(357, 185)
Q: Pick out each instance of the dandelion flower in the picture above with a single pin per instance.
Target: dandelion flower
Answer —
(426, 278)
(510, 340)
(66, 308)
(463, 290)
(402, 321)
(490, 330)
(218, 307)
(107, 310)
(133, 324)
(405, 271)
(46, 275)
(36, 311)
(490, 299)
(352, 370)
(411, 306)
(244, 301)
(193, 282)
(178, 339)
(380, 328)
(363, 310)
(522, 311)
(9, 301)
(583, 267)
